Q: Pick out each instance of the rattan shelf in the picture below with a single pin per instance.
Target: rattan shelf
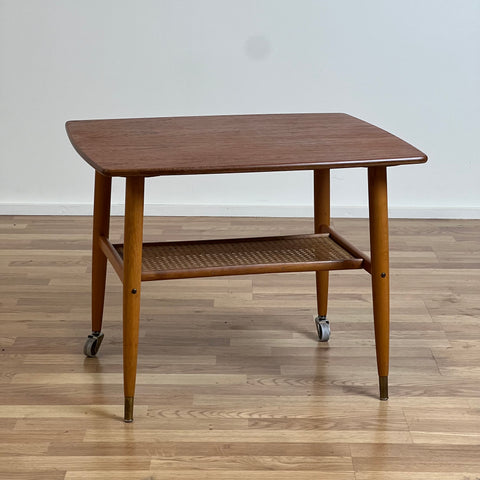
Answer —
(206, 258)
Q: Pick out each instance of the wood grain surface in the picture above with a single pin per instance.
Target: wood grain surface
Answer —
(232, 383)
(235, 143)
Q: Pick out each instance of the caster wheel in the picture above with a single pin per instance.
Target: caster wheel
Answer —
(323, 328)
(92, 345)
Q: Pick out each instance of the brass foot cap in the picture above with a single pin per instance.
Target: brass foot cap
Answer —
(128, 415)
(383, 383)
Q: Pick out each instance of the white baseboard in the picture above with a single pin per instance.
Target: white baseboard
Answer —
(240, 210)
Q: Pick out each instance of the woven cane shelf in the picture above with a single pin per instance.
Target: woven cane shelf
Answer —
(208, 258)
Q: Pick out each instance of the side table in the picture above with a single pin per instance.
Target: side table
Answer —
(147, 147)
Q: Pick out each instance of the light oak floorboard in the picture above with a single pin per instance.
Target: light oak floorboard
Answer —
(232, 383)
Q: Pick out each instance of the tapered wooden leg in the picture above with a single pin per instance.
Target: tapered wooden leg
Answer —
(101, 226)
(132, 258)
(378, 209)
(321, 194)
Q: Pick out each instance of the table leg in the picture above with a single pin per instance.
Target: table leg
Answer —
(101, 227)
(321, 202)
(132, 258)
(378, 209)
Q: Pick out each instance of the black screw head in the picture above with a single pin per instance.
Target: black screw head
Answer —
(134, 291)
(383, 274)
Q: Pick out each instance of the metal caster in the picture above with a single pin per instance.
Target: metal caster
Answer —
(92, 345)
(323, 328)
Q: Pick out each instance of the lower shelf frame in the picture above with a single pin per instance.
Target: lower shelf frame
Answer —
(322, 251)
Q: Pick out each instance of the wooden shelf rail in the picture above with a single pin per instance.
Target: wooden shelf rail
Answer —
(242, 256)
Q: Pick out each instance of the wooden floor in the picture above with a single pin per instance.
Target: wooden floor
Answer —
(232, 383)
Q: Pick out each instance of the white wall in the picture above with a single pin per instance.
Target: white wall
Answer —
(411, 67)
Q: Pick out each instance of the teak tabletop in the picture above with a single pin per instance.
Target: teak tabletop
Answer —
(233, 144)
(145, 147)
